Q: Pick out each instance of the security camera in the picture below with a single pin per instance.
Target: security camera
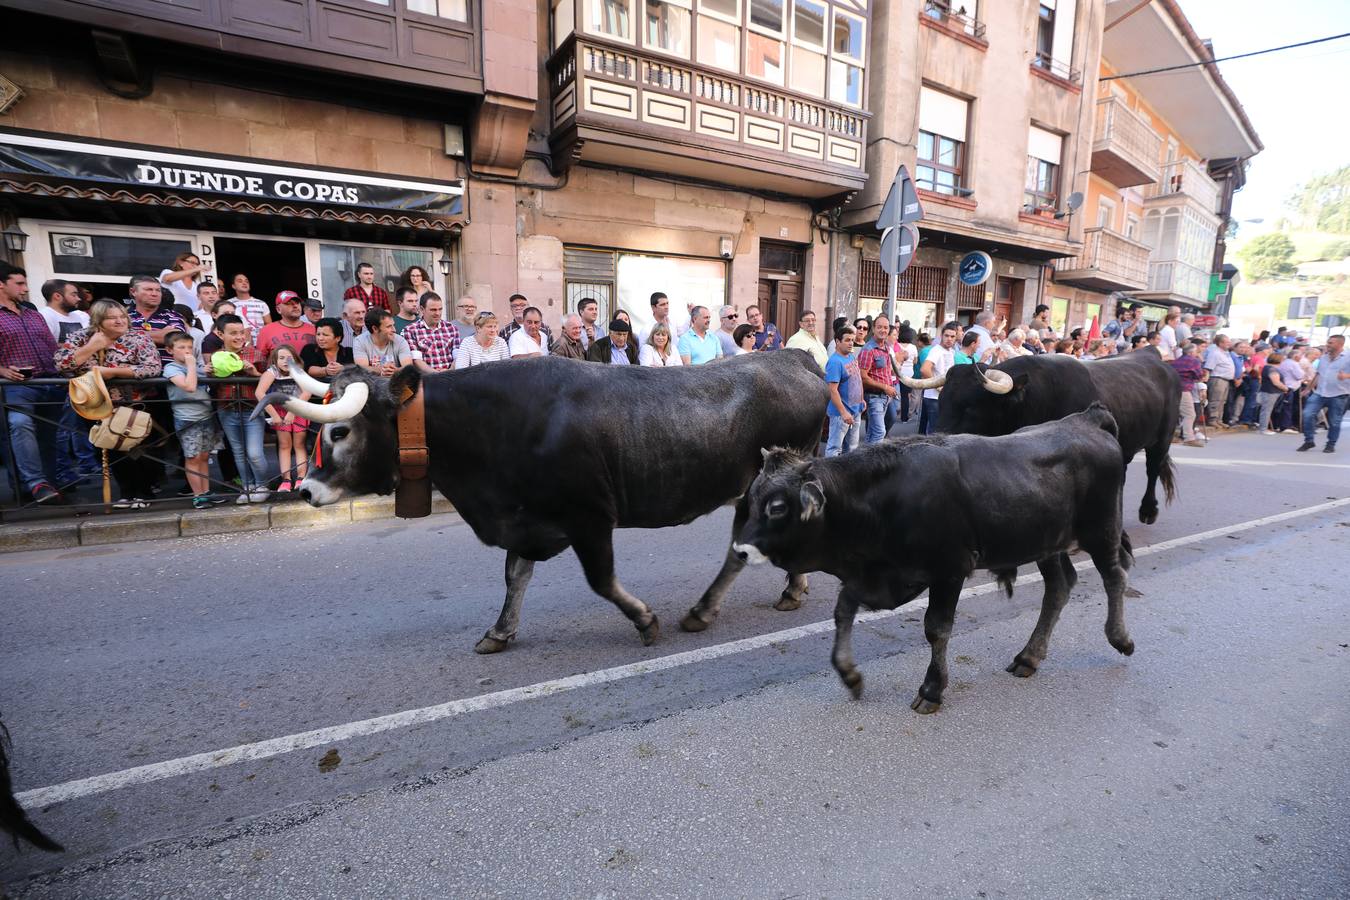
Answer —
(724, 248)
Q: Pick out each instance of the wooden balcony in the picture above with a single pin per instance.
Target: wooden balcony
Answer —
(1108, 262)
(614, 105)
(390, 41)
(1125, 149)
(1176, 281)
(1184, 180)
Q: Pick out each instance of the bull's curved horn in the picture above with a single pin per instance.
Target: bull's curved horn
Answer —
(923, 383)
(352, 401)
(994, 381)
(307, 382)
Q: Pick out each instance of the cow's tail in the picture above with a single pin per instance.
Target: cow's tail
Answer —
(1126, 551)
(1167, 474)
(13, 820)
(1006, 579)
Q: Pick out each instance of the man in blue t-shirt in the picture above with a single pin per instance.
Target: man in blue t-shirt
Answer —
(696, 345)
(846, 395)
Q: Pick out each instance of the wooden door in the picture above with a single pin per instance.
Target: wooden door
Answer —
(1007, 297)
(789, 306)
(765, 300)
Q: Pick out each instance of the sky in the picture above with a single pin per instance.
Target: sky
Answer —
(1297, 99)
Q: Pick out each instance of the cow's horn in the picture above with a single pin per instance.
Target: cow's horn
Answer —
(307, 382)
(995, 382)
(352, 401)
(923, 383)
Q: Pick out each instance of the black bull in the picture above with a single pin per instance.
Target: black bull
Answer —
(1139, 388)
(921, 513)
(539, 455)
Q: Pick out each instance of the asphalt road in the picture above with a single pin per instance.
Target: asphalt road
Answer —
(1211, 763)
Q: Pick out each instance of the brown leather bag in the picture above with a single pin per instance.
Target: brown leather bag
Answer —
(124, 429)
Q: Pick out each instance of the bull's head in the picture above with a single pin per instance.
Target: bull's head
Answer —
(358, 442)
(786, 516)
(980, 400)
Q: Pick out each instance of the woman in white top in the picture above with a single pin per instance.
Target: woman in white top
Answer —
(484, 346)
(181, 279)
(658, 350)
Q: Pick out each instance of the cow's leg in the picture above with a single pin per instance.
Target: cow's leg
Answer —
(519, 571)
(845, 608)
(937, 627)
(1108, 563)
(1060, 577)
(595, 549)
(791, 598)
(702, 614)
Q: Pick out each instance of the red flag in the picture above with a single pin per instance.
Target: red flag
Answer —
(1095, 332)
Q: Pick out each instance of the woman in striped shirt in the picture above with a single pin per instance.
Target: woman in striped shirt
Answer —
(484, 346)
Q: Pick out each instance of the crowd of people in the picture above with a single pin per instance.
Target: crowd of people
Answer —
(178, 326)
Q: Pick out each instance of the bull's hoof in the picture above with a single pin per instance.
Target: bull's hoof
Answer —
(1021, 668)
(787, 603)
(1123, 644)
(1148, 516)
(650, 632)
(854, 682)
(490, 644)
(924, 706)
(691, 622)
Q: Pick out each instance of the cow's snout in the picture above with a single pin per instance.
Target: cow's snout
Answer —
(749, 553)
(308, 496)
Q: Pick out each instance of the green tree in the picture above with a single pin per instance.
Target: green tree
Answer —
(1336, 250)
(1323, 204)
(1268, 256)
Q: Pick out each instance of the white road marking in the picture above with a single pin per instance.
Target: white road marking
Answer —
(200, 762)
(1215, 461)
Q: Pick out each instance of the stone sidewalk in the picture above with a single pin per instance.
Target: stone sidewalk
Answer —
(120, 527)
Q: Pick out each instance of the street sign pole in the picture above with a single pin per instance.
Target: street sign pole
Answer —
(899, 239)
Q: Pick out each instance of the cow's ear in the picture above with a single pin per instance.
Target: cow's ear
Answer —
(404, 384)
(1020, 381)
(813, 499)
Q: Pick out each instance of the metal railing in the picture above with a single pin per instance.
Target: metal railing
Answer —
(1175, 276)
(1056, 67)
(1185, 178)
(58, 430)
(1122, 131)
(941, 11)
(1107, 257)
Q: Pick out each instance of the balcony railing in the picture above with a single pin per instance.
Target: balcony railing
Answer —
(1107, 262)
(1125, 149)
(1185, 178)
(1057, 67)
(941, 11)
(612, 102)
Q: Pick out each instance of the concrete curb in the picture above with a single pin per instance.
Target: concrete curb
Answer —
(120, 528)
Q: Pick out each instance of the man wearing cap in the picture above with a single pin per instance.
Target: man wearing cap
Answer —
(313, 310)
(616, 348)
(366, 290)
(291, 329)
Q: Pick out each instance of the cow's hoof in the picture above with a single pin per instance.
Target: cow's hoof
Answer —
(1021, 669)
(854, 682)
(1148, 516)
(691, 622)
(923, 706)
(1124, 645)
(650, 632)
(787, 603)
(490, 644)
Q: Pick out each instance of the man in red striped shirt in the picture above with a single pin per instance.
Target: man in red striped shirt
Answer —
(366, 290)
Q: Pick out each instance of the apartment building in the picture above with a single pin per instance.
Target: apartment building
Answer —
(988, 105)
(575, 148)
(1168, 151)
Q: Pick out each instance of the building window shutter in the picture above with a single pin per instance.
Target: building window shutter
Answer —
(1044, 145)
(942, 114)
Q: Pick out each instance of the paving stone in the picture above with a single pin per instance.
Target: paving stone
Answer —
(226, 520)
(118, 528)
(46, 536)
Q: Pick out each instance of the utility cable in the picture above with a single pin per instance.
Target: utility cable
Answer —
(1205, 62)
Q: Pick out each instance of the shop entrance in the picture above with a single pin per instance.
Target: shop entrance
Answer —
(271, 266)
(1008, 297)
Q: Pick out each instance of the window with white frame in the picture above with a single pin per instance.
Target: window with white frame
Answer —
(1106, 213)
(846, 59)
(443, 9)
(1132, 226)
(667, 26)
(1044, 149)
(719, 34)
(1054, 36)
(611, 18)
(942, 142)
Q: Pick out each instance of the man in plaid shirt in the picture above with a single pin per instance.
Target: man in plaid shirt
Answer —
(27, 349)
(432, 336)
(366, 290)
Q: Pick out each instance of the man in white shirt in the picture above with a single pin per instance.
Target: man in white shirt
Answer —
(940, 359)
(1167, 336)
(729, 319)
(660, 316)
(1222, 372)
(1184, 327)
(983, 320)
(255, 313)
(61, 312)
(529, 340)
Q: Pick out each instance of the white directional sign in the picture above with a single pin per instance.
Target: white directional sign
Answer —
(897, 248)
(902, 203)
(899, 238)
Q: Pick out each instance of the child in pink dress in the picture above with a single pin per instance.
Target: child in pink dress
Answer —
(290, 428)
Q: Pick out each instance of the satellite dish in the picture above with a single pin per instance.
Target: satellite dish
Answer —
(1075, 200)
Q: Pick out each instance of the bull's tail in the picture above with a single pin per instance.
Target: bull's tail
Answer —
(1167, 474)
(1126, 551)
(1006, 579)
(13, 820)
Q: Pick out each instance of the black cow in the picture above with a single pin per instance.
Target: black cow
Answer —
(1139, 389)
(14, 820)
(901, 516)
(539, 455)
